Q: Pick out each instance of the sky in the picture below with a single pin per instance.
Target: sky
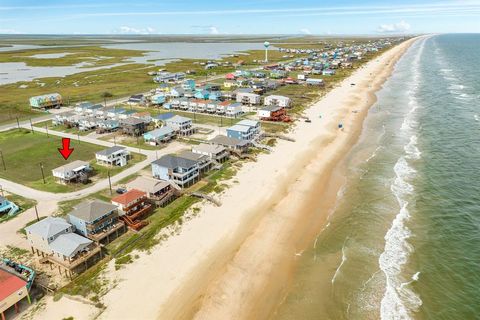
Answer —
(223, 17)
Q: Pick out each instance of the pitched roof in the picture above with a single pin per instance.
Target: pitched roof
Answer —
(227, 141)
(68, 243)
(187, 154)
(147, 184)
(91, 210)
(172, 162)
(48, 227)
(164, 116)
(208, 148)
(110, 151)
(129, 197)
(9, 284)
(132, 121)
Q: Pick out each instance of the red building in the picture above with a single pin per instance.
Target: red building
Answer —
(12, 290)
(133, 206)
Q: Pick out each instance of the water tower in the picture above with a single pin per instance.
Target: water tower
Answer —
(266, 44)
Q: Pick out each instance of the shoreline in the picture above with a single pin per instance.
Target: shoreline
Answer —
(327, 180)
(222, 262)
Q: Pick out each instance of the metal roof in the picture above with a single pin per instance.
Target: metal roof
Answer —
(160, 132)
(48, 227)
(239, 128)
(69, 243)
(72, 166)
(178, 119)
(110, 151)
(91, 210)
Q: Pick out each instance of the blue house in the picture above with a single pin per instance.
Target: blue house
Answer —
(93, 218)
(7, 207)
(202, 94)
(158, 99)
(181, 171)
(188, 84)
(240, 132)
(214, 95)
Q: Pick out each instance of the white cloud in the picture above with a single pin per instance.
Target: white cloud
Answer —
(131, 30)
(305, 31)
(401, 26)
(214, 30)
(9, 31)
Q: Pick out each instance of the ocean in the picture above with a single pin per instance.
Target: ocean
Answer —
(403, 241)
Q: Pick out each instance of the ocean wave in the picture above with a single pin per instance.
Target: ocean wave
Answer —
(411, 148)
(344, 258)
(398, 300)
(476, 117)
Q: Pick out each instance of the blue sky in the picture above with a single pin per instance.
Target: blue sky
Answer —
(238, 17)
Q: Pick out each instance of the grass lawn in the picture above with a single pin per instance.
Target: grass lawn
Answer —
(50, 126)
(23, 152)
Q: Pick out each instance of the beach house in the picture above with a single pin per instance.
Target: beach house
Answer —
(231, 144)
(72, 172)
(113, 156)
(276, 100)
(133, 126)
(248, 98)
(137, 99)
(180, 171)
(215, 152)
(132, 202)
(272, 112)
(54, 240)
(234, 110)
(204, 162)
(13, 289)
(52, 100)
(159, 119)
(240, 132)
(253, 124)
(160, 135)
(181, 125)
(97, 220)
(7, 207)
(155, 189)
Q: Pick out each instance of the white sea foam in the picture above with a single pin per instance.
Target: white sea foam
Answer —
(398, 300)
(476, 117)
(344, 258)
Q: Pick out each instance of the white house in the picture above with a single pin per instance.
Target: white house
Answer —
(234, 110)
(248, 98)
(114, 156)
(72, 171)
(181, 125)
(275, 100)
(215, 152)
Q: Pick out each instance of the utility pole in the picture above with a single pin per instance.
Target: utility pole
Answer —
(46, 128)
(110, 182)
(43, 175)
(3, 161)
(18, 124)
(31, 125)
(36, 213)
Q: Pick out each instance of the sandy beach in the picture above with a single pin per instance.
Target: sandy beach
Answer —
(234, 261)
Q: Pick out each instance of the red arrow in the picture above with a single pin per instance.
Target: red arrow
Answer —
(65, 151)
